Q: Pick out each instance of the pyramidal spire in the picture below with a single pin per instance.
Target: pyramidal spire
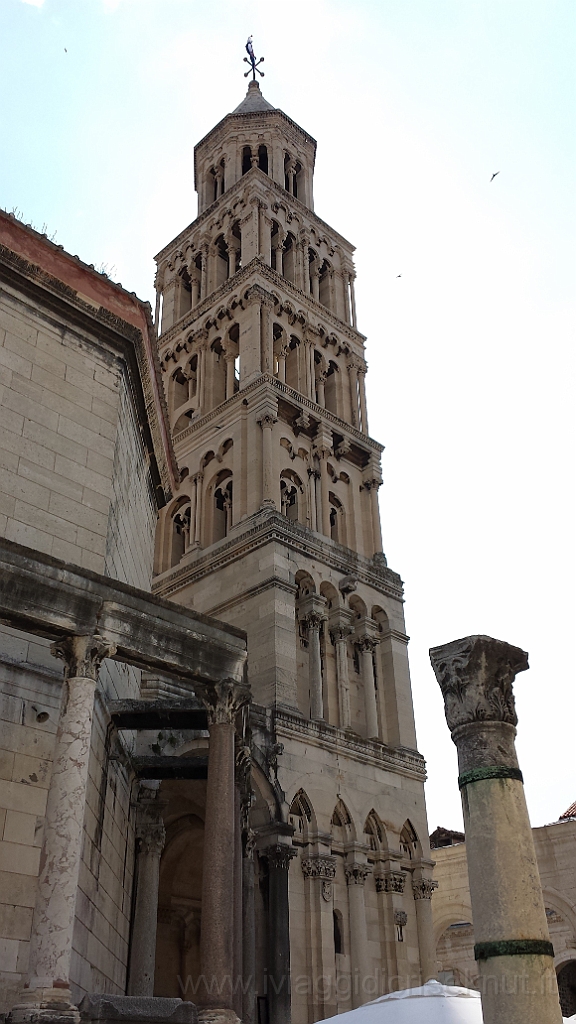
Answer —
(253, 101)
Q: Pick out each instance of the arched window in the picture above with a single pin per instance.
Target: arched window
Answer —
(337, 520)
(289, 499)
(222, 509)
(338, 933)
(374, 832)
(325, 285)
(331, 387)
(263, 159)
(409, 841)
(300, 815)
(246, 159)
(180, 385)
(292, 375)
(181, 526)
(289, 258)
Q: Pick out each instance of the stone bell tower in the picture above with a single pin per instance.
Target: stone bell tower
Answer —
(275, 528)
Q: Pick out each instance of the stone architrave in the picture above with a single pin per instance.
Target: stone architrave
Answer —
(223, 701)
(517, 977)
(47, 995)
(150, 838)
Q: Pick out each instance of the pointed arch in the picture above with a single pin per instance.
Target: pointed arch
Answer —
(341, 823)
(301, 815)
(375, 832)
(409, 842)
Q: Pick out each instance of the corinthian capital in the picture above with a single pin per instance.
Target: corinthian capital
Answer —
(476, 675)
(424, 888)
(356, 874)
(82, 655)
(223, 700)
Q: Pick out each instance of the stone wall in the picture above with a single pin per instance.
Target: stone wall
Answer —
(74, 483)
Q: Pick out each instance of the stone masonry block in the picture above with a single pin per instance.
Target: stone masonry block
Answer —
(15, 922)
(28, 535)
(16, 796)
(19, 859)
(21, 828)
(56, 442)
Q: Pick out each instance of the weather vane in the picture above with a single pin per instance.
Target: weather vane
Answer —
(251, 60)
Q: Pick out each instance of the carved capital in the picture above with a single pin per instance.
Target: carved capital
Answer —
(267, 419)
(476, 675)
(82, 655)
(391, 881)
(279, 855)
(367, 644)
(223, 700)
(151, 838)
(313, 620)
(340, 633)
(356, 874)
(319, 867)
(424, 888)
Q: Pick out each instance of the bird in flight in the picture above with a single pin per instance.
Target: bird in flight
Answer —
(65, 50)
(398, 275)
(494, 175)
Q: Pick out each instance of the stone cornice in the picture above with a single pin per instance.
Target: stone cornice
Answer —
(399, 760)
(271, 526)
(258, 588)
(240, 280)
(218, 413)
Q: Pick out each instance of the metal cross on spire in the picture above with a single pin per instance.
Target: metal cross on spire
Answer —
(251, 60)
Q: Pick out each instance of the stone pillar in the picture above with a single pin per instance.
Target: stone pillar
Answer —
(195, 279)
(229, 359)
(315, 278)
(362, 390)
(204, 272)
(517, 977)
(340, 630)
(248, 935)
(282, 354)
(422, 890)
(319, 872)
(353, 377)
(320, 387)
(279, 250)
(47, 995)
(353, 299)
(279, 857)
(346, 286)
(356, 875)
(323, 449)
(266, 339)
(269, 484)
(367, 644)
(223, 701)
(313, 623)
(150, 837)
(198, 483)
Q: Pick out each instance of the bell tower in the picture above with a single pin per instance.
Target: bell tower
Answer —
(275, 528)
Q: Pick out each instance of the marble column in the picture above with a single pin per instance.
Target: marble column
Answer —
(353, 299)
(362, 392)
(47, 995)
(356, 875)
(150, 837)
(516, 959)
(279, 857)
(229, 359)
(367, 645)
(353, 377)
(422, 890)
(223, 701)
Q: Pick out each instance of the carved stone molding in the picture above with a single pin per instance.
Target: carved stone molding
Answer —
(476, 675)
(223, 700)
(82, 655)
(424, 888)
(391, 881)
(356, 874)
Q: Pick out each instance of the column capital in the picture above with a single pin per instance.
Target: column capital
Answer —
(391, 881)
(475, 675)
(223, 700)
(151, 836)
(357, 873)
(319, 866)
(423, 889)
(82, 655)
(279, 855)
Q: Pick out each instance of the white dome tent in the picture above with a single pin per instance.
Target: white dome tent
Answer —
(432, 1003)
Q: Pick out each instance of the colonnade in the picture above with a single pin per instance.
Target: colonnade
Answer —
(47, 993)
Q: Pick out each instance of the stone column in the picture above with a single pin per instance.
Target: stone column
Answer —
(229, 359)
(222, 700)
(319, 872)
(356, 875)
(247, 965)
(346, 286)
(340, 630)
(367, 645)
(282, 354)
(422, 891)
(269, 484)
(320, 387)
(266, 339)
(315, 278)
(362, 390)
(279, 857)
(353, 377)
(323, 449)
(313, 623)
(204, 271)
(195, 279)
(47, 995)
(150, 836)
(279, 250)
(353, 299)
(517, 977)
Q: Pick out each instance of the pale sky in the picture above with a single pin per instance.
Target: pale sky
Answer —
(414, 104)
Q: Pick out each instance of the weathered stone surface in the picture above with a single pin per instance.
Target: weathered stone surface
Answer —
(137, 1010)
